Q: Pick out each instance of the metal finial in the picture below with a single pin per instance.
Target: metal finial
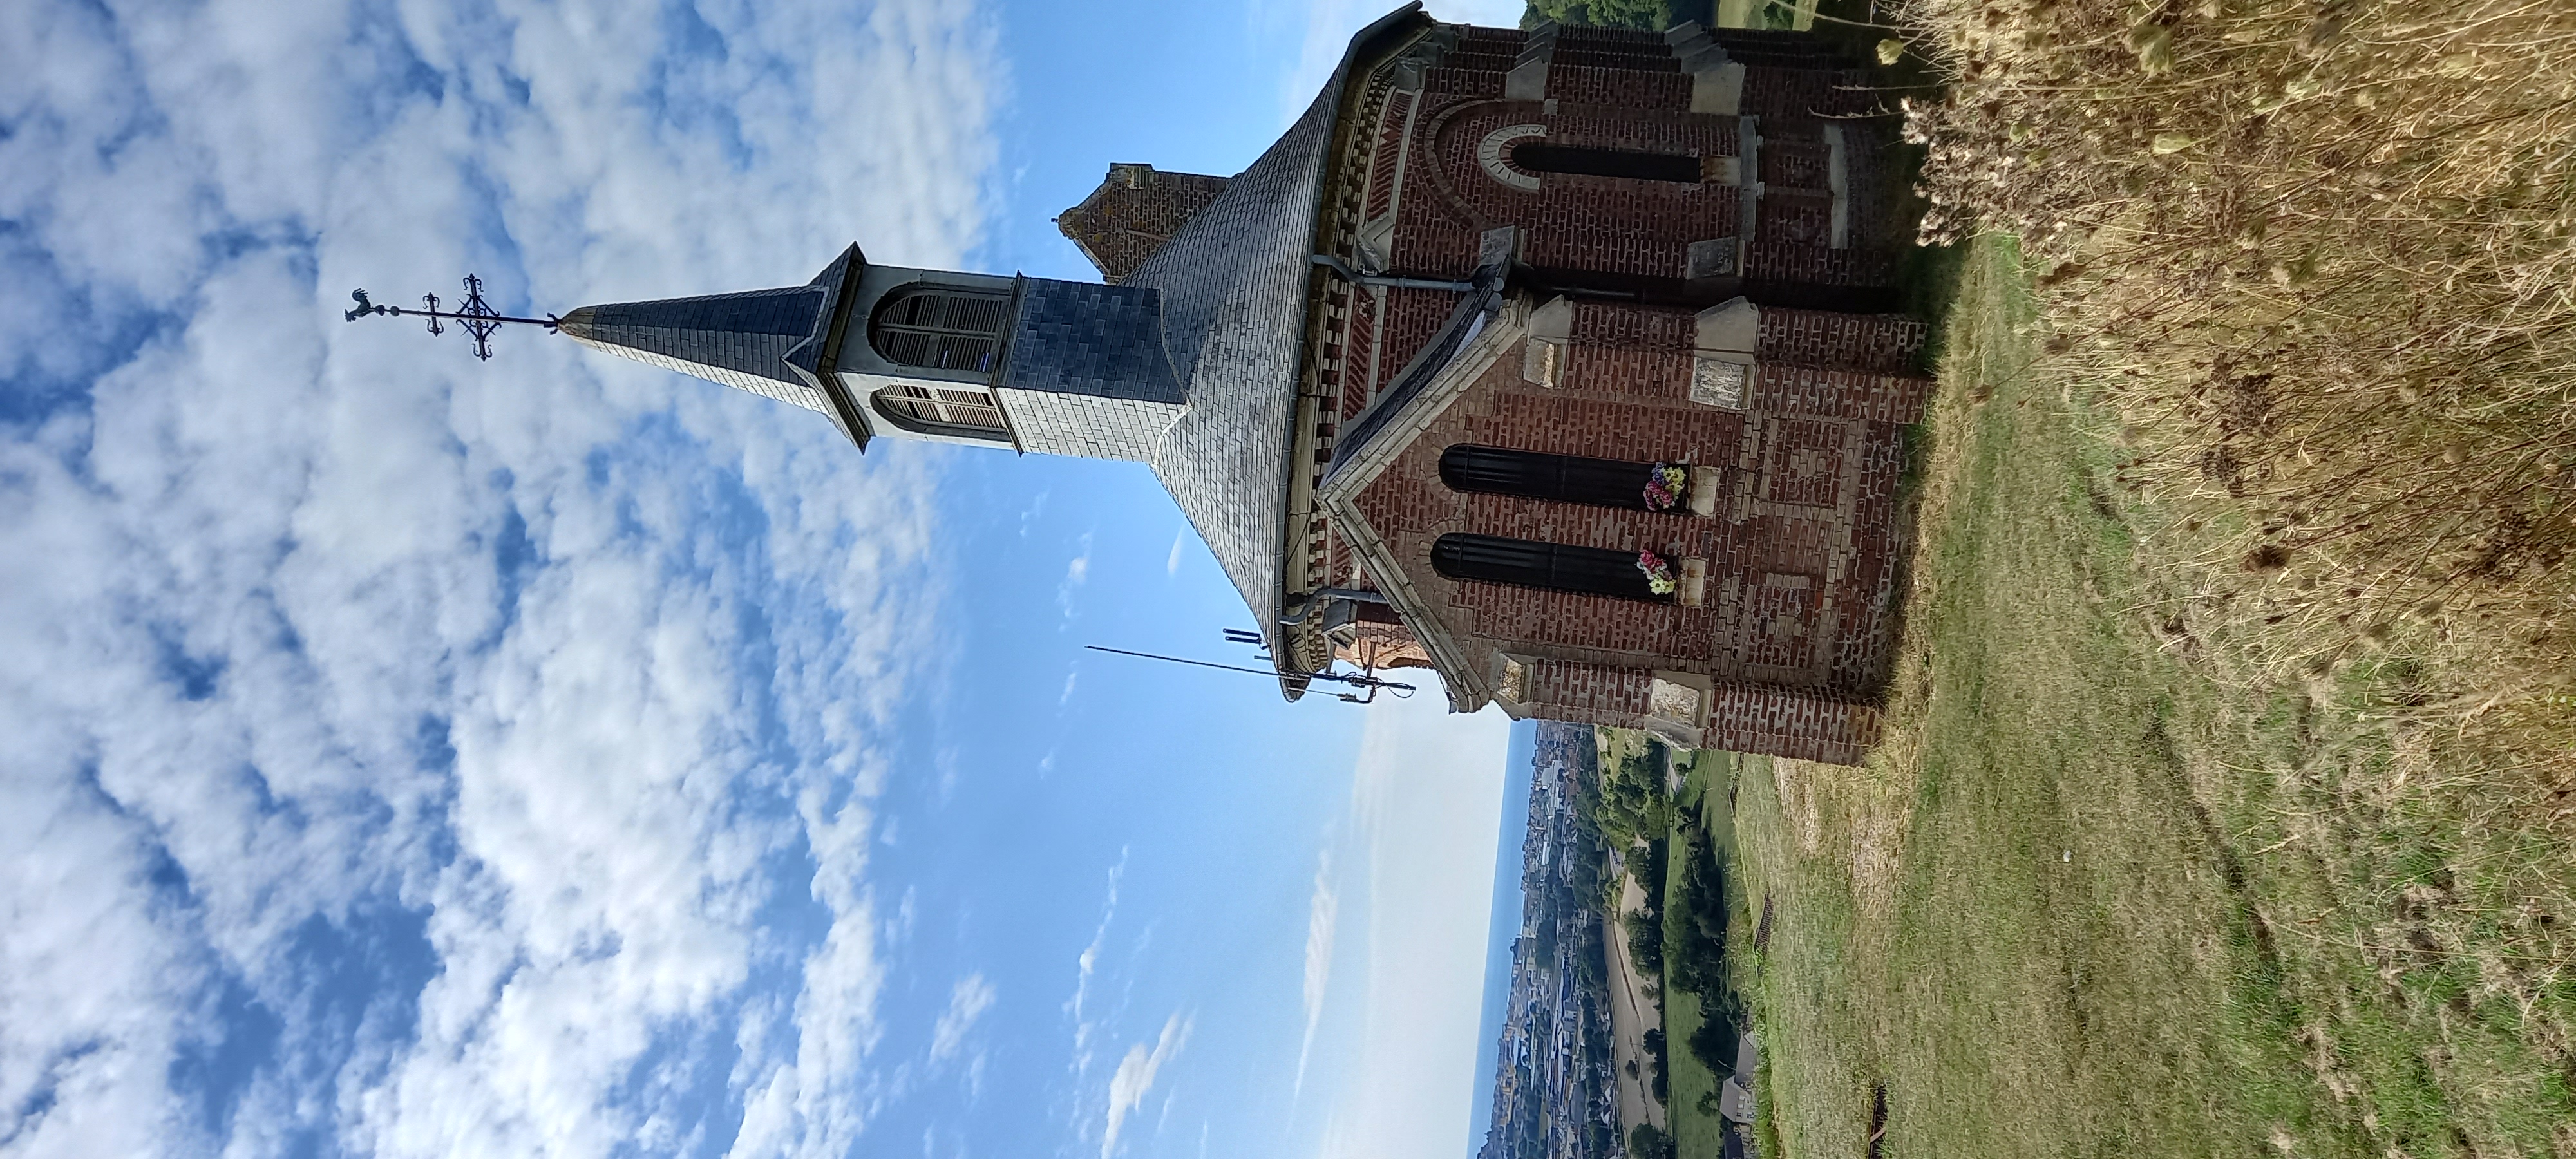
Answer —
(477, 317)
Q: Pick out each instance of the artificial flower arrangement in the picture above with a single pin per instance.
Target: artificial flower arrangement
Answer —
(1659, 572)
(1666, 484)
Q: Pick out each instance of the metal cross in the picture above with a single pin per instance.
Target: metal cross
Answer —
(477, 317)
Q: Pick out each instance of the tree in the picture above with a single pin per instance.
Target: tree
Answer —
(1645, 1142)
(1652, 15)
(1695, 953)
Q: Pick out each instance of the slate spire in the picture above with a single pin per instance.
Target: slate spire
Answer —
(768, 342)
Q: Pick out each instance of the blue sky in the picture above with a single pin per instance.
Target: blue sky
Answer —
(404, 755)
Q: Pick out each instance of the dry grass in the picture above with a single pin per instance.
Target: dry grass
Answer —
(2115, 888)
(2320, 258)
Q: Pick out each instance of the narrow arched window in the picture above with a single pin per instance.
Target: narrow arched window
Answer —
(1528, 563)
(1537, 156)
(940, 329)
(1564, 478)
(964, 413)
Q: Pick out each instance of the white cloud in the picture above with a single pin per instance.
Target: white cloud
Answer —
(327, 649)
(1135, 1078)
(1172, 562)
(1077, 571)
(1322, 912)
(966, 1003)
(1078, 1007)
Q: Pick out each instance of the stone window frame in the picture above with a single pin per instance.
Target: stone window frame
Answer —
(951, 409)
(940, 328)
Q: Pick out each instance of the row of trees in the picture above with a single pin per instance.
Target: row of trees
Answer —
(1654, 15)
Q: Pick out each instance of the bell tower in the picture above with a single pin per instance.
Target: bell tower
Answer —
(1033, 364)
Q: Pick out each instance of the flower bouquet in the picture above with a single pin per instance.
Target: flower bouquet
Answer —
(1666, 485)
(1659, 572)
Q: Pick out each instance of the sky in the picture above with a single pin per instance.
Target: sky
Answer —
(406, 755)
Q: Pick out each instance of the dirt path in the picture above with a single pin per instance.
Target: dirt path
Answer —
(1632, 1014)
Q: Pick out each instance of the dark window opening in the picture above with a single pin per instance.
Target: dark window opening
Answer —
(1633, 164)
(1561, 478)
(936, 410)
(1597, 571)
(940, 329)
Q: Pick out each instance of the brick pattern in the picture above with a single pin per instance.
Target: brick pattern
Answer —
(1598, 323)
(1573, 81)
(1803, 94)
(1804, 463)
(1362, 342)
(1574, 222)
(1790, 261)
(1863, 635)
(1386, 155)
(1591, 688)
(1801, 558)
(1885, 343)
(1802, 555)
(1849, 394)
(1411, 318)
(1791, 723)
(1134, 212)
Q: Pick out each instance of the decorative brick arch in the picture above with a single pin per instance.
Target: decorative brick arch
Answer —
(1494, 154)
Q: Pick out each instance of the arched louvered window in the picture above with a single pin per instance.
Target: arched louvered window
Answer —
(943, 329)
(1561, 478)
(1536, 156)
(962, 412)
(1531, 564)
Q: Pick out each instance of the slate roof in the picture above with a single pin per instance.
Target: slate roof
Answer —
(1233, 284)
(751, 341)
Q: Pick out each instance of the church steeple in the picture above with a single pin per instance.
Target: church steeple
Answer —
(774, 343)
(1067, 368)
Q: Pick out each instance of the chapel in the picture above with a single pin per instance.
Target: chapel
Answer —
(1564, 361)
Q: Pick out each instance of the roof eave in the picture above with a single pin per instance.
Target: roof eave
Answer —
(1290, 644)
(846, 413)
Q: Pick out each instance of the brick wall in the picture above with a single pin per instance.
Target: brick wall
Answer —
(1795, 629)
(1801, 556)
(1626, 91)
(1886, 343)
(1791, 723)
(1573, 222)
(1592, 689)
(1135, 210)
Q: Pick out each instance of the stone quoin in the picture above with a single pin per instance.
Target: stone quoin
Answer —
(1562, 361)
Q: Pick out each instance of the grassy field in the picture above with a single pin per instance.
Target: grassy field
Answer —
(1704, 795)
(2101, 893)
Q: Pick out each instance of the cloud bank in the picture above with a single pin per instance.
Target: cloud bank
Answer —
(415, 757)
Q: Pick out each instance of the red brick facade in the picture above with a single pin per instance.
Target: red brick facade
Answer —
(1785, 648)
(1136, 209)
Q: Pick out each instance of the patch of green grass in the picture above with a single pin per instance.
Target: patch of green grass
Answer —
(1694, 1131)
(1705, 794)
(2091, 900)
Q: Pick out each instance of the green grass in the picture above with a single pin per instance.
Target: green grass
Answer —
(2090, 900)
(1704, 793)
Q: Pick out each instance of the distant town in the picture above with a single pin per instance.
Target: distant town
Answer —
(1581, 1066)
(1553, 1081)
